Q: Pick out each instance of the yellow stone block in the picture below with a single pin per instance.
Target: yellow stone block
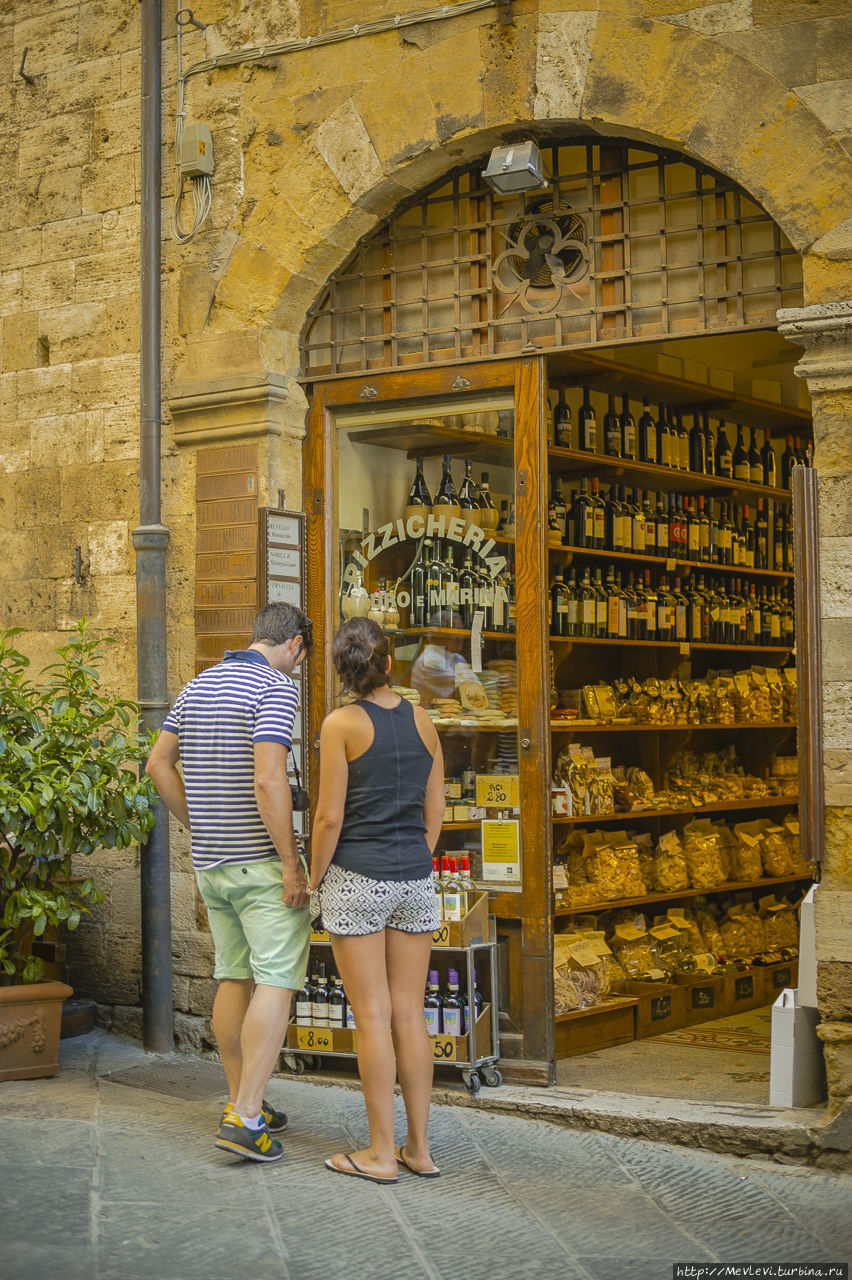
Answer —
(397, 112)
(20, 341)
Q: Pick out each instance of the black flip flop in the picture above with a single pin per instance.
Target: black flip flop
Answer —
(355, 1172)
(434, 1172)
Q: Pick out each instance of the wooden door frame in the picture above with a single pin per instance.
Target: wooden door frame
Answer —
(524, 377)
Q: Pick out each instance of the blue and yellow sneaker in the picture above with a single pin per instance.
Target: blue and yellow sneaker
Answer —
(276, 1121)
(251, 1144)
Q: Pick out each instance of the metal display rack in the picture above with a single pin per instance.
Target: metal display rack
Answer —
(476, 1069)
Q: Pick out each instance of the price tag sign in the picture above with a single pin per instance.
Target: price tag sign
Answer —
(560, 878)
(319, 1039)
(501, 851)
(441, 937)
(684, 648)
(497, 791)
(671, 565)
(319, 935)
(443, 1048)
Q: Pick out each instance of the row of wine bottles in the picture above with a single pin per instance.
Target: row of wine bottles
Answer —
(668, 441)
(322, 1003)
(446, 595)
(673, 526)
(709, 610)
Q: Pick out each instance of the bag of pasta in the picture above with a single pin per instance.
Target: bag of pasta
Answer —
(753, 923)
(645, 852)
(692, 937)
(667, 947)
(791, 836)
(734, 936)
(710, 931)
(587, 971)
(703, 858)
(747, 856)
(632, 948)
(597, 942)
(727, 845)
(771, 913)
(601, 785)
(790, 693)
(670, 871)
(775, 851)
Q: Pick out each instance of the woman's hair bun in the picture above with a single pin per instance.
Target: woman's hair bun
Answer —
(360, 653)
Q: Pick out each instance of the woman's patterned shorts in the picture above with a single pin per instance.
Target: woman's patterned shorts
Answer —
(353, 905)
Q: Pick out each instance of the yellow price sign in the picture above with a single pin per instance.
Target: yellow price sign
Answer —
(443, 1048)
(319, 935)
(441, 937)
(497, 791)
(319, 1039)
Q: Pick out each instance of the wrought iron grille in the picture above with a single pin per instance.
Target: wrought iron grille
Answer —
(626, 244)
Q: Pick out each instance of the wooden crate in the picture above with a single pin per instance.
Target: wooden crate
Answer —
(661, 1007)
(775, 977)
(585, 1030)
(742, 991)
(704, 996)
(474, 927)
(457, 1048)
(320, 1039)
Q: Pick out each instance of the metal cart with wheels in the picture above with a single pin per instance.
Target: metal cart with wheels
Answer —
(306, 1047)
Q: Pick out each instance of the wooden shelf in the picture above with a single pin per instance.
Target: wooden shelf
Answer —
(650, 898)
(606, 1003)
(579, 368)
(424, 440)
(649, 475)
(450, 631)
(468, 727)
(666, 563)
(726, 806)
(569, 726)
(567, 642)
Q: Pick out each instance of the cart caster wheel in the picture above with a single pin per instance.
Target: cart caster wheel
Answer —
(472, 1081)
(312, 1062)
(492, 1076)
(296, 1065)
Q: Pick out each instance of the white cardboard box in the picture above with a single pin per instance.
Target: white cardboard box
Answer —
(807, 951)
(796, 1064)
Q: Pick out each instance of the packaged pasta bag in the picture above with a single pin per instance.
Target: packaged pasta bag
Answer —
(787, 926)
(645, 852)
(753, 923)
(693, 939)
(734, 936)
(631, 946)
(770, 910)
(667, 947)
(641, 786)
(601, 787)
(703, 858)
(670, 871)
(587, 970)
(775, 694)
(747, 856)
(708, 923)
(725, 705)
(776, 853)
(565, 995)
(727, 844)
(596, 939)
(790, 693)
(576, 777)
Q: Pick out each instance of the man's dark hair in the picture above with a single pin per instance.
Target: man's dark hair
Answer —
(280, 622)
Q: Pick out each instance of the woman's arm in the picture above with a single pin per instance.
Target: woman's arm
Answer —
(334, 780)
(434, 802)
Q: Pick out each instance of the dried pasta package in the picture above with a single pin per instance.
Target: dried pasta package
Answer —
(710, 931)
(565, 995)
(753, 923)
(601, 787)
(791, 835)
(727, 845)
(632, 948)
(703, 860)
(734, 937)
(747, 856)
(787, 926)
(597, 941)
(770, 910)
(587, 971)
(726, 709)
(645, 853)
(693, 939)
(777, 857)
(641, 785)
(670, 871)
(667, 947)
(790, 693)
(630, 880)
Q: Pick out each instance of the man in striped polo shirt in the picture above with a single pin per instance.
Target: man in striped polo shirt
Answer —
(231, 728)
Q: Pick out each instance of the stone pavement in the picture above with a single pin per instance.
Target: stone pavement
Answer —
(108, 1172)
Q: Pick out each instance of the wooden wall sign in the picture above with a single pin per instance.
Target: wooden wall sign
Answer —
(281, 577)
(225, 551)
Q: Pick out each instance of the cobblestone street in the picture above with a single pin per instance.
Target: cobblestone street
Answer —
(105, 1181)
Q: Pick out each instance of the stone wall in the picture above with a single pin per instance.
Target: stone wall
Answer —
(311, 151)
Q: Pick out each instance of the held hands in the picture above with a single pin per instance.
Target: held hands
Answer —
(295, 885)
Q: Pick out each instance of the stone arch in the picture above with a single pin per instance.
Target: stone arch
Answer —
(415, 114)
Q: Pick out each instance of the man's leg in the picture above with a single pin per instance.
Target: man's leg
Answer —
(262, 1036)
(229, 1010)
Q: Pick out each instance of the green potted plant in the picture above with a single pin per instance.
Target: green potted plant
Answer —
(69, 755)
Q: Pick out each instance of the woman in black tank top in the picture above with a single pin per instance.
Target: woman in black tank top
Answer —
(381, 805)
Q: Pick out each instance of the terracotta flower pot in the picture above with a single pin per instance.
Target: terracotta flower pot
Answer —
(30, 1020)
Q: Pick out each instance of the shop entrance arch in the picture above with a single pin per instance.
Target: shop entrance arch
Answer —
(602, 359)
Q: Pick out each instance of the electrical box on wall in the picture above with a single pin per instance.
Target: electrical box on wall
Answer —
(196, 151)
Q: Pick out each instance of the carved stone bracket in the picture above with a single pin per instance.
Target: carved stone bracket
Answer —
(217, 411)
(825, 331)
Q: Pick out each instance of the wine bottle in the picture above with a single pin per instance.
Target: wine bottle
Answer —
(446, 502)
(693, 531)
(709, 445)
(703, 531)
(563, 435)
(665, 611)
(474, 998)
(450, 589)
(650, 608)
(628, 431)
(450, 890)
(614, 540)
(417, 615)
(680, 611)
(697, 448)
(598, 517)
(434, 574)
(647, 434)
(587, 427)
(453, 1015)
(304, 1006)
(612, 430)
(437, 886)
(583, 518)
(638, 531)
(468, 498)
(319, 997)
(558, 605)
(767, 458)
(724, 537)
(664, 437)
(788, 461)
(488, 515)
(742, 471)
(724, 459)
(419, 501)
(558, 508)
(661, 523)
(761, 537)
(682, 442)
(504, 516)
(572, 624)
(755, 461)
(336, 1004)
(586, 607)
(433, 1005)
(748, 535)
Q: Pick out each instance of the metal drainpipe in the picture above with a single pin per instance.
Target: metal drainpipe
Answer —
(150, 540)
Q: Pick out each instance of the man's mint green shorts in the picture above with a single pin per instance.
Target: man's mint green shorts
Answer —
(256, 935)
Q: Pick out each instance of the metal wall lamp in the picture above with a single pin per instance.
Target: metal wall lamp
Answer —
(516, 167)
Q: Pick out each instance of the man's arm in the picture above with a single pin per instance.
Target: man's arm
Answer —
(272, 792)
(162, 769)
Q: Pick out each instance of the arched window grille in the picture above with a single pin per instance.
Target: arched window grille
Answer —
(626, 244)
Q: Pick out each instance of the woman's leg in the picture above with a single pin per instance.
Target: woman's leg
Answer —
(361, 965)
(407, 969)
